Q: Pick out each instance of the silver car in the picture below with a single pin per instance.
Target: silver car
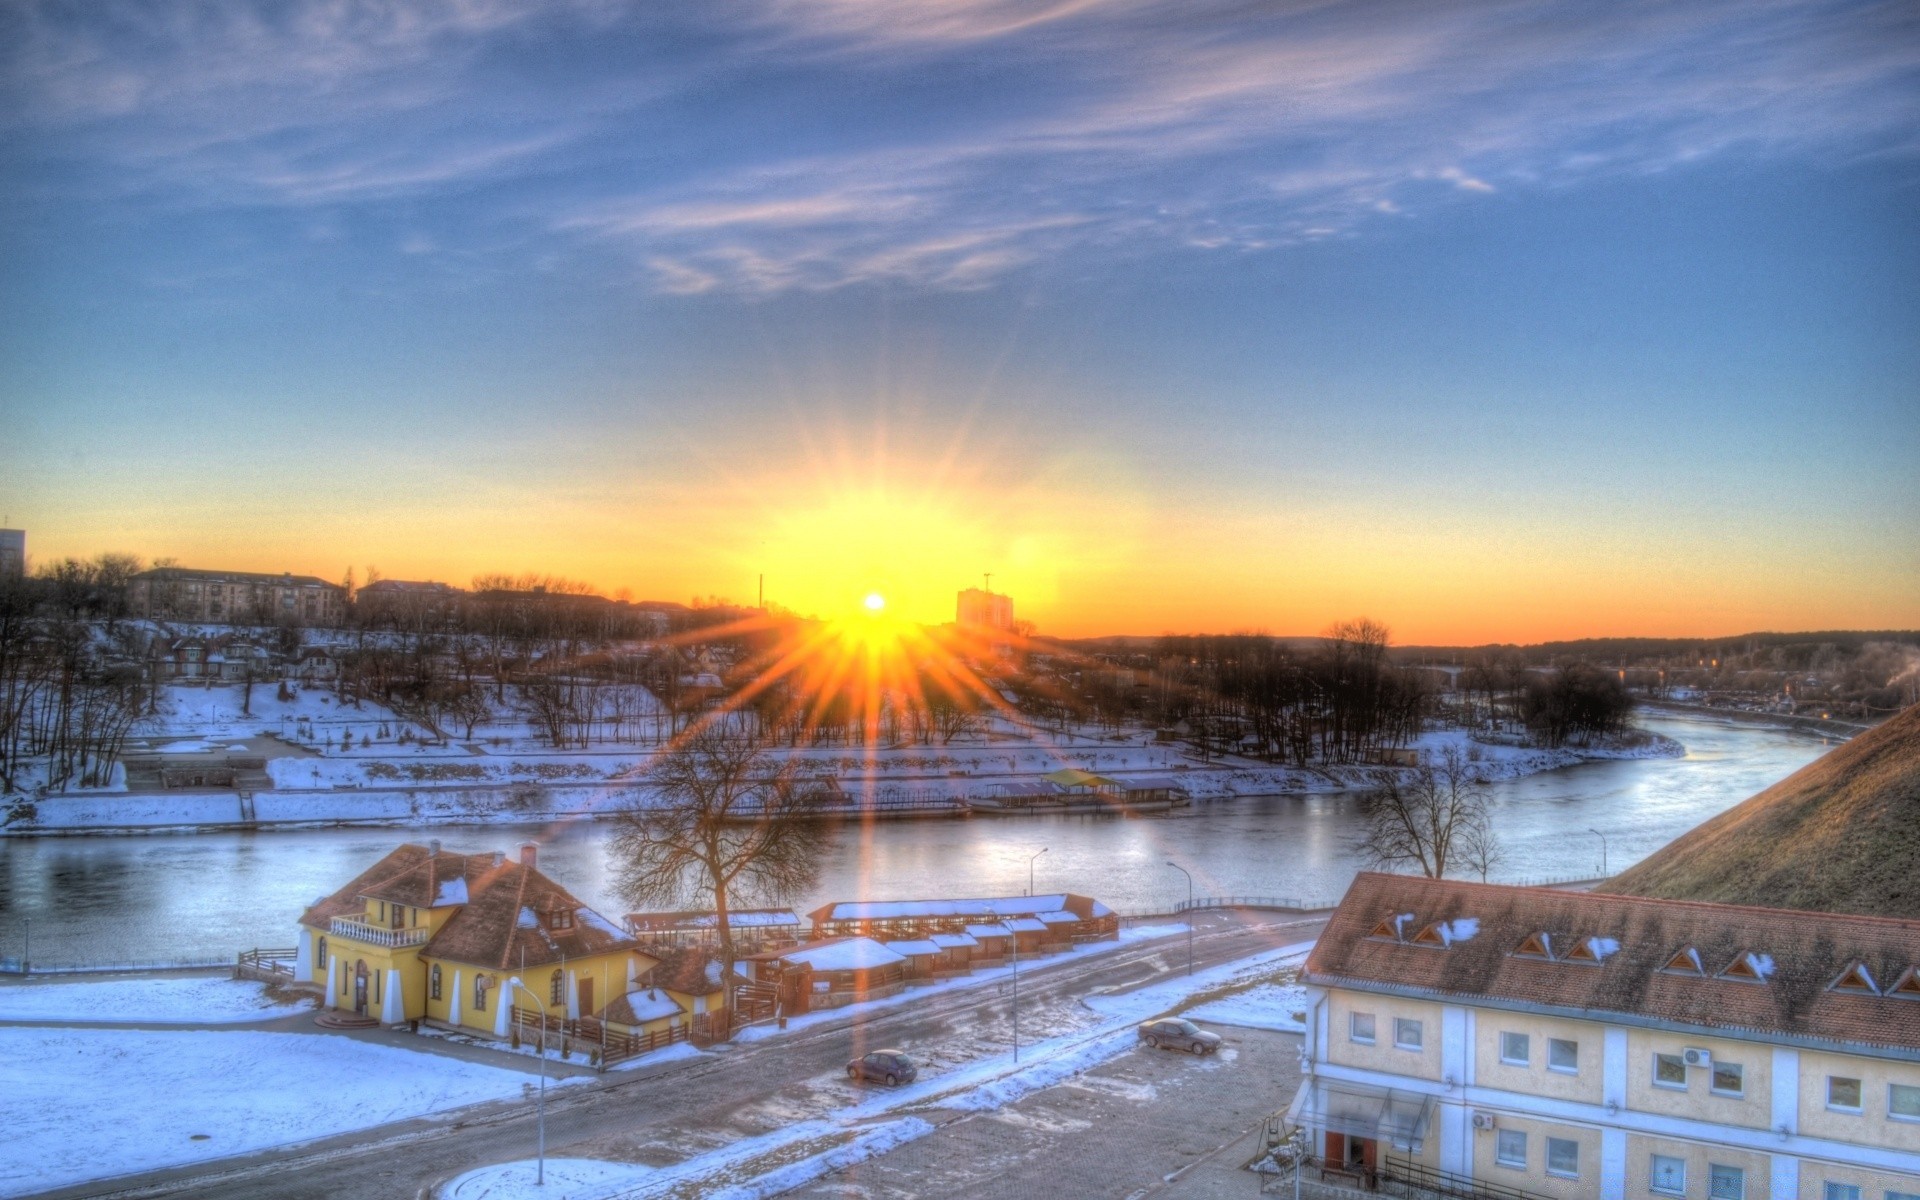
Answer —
(1178, 1033)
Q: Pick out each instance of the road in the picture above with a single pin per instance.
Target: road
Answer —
(665, 1114)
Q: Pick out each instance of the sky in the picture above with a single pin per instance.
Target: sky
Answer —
(1492, 321)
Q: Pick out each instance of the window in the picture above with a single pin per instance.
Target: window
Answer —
(556, 989)
(320, 953)
(1669, 1071)
(1903, 1101)
(1406, 1034)
(1667, 1175)
(1563, 1055)
(1843, 1093)
(1729, 1079)
(1726, 1183)
(1563, 1157)
(1893, 1195)
(479, 993)
(1360, 1028)
(1512, 1149)
(433, 982)
(1842, 1191)
(1514, 1048)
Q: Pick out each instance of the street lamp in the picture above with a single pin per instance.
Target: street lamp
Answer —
(1189, 874)
(1603, 851)
(540, 1172)
(1030, 859)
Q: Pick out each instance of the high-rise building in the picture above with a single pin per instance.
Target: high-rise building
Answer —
(13, 553)
(982, 610)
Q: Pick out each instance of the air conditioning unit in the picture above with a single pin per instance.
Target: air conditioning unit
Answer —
(1696, 1057)
(1483, 1120)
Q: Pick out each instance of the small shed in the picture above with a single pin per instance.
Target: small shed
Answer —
(992, 944)
(830, 973)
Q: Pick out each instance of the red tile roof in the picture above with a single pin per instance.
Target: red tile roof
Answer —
(507, 910)
(1626, 942)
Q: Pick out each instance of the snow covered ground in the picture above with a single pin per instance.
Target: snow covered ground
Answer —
(996, 975)
(775, 1162)
(154, 1001)
(90, 1104)
(1263, 1006)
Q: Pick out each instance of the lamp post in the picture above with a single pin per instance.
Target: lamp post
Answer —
(1015, 939)
(1030, 858)
(1603, 851)
(1189, 874)
(540, 1171)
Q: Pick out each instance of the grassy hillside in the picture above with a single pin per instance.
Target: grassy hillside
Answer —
(1840, 835)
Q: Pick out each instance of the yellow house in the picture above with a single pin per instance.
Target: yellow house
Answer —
(461, 941)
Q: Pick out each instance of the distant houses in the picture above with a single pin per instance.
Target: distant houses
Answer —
(238, 597)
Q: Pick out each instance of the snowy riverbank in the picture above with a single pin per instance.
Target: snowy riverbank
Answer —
(550, 787)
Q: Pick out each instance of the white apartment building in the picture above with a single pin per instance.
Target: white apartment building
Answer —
(1573, 1045)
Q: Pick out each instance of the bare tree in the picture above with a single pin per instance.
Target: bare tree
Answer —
(721, 820)
(1432, 818)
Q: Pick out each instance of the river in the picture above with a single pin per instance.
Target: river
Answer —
(187, 896)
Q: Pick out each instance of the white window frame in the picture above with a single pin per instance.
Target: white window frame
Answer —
(1525, 1058)
(1500, 1149)
(1419, 1041)
(1713, 1079)
(1860, 1090)
(1556, 1172)
(1739, 1175)
(1571, 1069)
(1653, 1161)
(1353, 1028)
(1898, 1116)
(1679, 1085)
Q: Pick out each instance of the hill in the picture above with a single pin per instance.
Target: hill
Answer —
(1841, 834)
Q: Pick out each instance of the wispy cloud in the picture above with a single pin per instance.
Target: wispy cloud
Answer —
(955, 141)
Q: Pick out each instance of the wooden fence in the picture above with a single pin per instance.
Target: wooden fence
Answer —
(606, 1046)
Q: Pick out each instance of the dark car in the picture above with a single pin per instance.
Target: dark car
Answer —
(885, 1066)
(1178, 1033)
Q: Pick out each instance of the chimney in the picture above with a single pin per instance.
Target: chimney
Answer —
(433, 848)
(529, 854)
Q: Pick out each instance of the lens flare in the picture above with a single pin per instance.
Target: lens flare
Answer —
(875, 602)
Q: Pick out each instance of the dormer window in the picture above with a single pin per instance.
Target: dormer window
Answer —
(1686, 961)
(1392, 929)
(1857, 980)
(1430, 936)
(560, 918)
(1592, 951)
(1537, 945)
(1749, 967)
(1908, 986)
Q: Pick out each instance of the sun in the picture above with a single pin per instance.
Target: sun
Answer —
(875, 602)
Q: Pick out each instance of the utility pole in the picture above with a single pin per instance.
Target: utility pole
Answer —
(540, 1172)
(989, 587)
(1603, 851)
(1030, 859)
(1176, 866)
(1016, 997)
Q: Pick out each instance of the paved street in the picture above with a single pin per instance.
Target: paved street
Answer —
(664, 1114)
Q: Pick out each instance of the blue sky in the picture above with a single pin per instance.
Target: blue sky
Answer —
(1493, 320)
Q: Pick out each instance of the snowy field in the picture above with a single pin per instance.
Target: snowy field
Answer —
(83, 1105)
(150, 1001)
(1263, 1006)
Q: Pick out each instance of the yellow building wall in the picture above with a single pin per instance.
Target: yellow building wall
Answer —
(1873, 1125)
(1699, 1158)
(607, 971)
(1383, 1055)
(343, 956)
(1586, 1085)
(1873, 1185)
(1753, 1109)
(1534, 1177)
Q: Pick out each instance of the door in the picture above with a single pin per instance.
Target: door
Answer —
(360, 987)
(586, 996)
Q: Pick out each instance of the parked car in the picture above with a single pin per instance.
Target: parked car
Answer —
(1178, 1033)
(890, 1067)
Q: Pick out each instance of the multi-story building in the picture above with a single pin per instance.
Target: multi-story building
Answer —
(984, 612)
(13, 553)
(1574, 1045)
(236, 597)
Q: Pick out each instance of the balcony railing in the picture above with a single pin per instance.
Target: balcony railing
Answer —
(374, 935)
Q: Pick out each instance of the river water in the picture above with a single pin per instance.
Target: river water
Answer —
(167, 897)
